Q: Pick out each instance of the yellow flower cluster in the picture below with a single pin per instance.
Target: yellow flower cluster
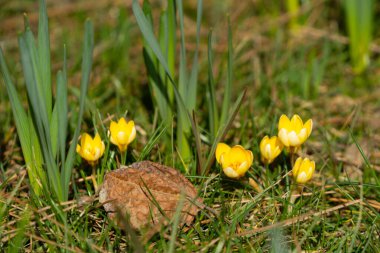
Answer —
(292, 133)
(122, 134)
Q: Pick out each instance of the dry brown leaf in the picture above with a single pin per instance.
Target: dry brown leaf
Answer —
(140, 188)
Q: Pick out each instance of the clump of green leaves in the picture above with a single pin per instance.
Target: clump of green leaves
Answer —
(359, 20)
(175, 92)
(42, 129)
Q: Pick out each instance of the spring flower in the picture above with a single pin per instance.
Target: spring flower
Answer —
(235, 161)
(303, 170)
(122, 133)
(270, 148)
(293, 133)
(90, 149)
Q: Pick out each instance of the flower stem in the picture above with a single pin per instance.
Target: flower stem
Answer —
(123, 157)
(292, 158)
(93, 177)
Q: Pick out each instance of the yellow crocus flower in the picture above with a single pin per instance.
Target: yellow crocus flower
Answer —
(303, 170)
(90, 149)
(270, 148)
(122, 133)
(235, 161)
(293, 133)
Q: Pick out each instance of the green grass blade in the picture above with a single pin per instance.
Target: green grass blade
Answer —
(34, 64)
(88, 46)
(156, 72)
(54, 131)
(176, 219)
(198, 146)
(183, 78)
(156, 136)
(211, 101)
(163, 40)
(159, 92)
(62, 120)
(18, 241)
(171, 42)
(62, 109)
(193, 81)
(44, 55)
(183, 126)
(228, 85)
(148, 34)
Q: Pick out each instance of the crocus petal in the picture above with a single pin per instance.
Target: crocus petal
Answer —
(302, 135)
(263, 143)
(122, 123)
(114, 129)
(122, 137)
(242, 169)
(283, 135)
(284, 123)
(230, 172)
(236, 155)
(296, 166)
(221, 148)
(302, 178)
(303, 170)
(293, 139)
(131, 130)
(296, 123)
(97, 140)
(250, 158)
(309, 127)
(268, 151)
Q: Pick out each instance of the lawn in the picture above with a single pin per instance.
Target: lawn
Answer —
(197, 86)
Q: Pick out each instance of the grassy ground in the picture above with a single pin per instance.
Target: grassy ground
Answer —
(306, 71)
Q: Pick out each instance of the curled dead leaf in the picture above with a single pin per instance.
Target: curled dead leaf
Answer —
(149, 193)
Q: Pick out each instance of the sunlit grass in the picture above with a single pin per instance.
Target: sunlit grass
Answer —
(248, 75)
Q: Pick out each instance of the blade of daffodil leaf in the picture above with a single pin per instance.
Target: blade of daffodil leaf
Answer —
(88, 46)
(62, 109)
(34, 64)
(39, 113)
(171, 44)
(182, 78)
(159, 90)
(197, 138)
(211, 101)
(183, 126)
(359, 22)
(54, 130)
(183, 114)
(193, 80)
(228, 85)
(22, 125)
(224, 127)
(44, 56)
